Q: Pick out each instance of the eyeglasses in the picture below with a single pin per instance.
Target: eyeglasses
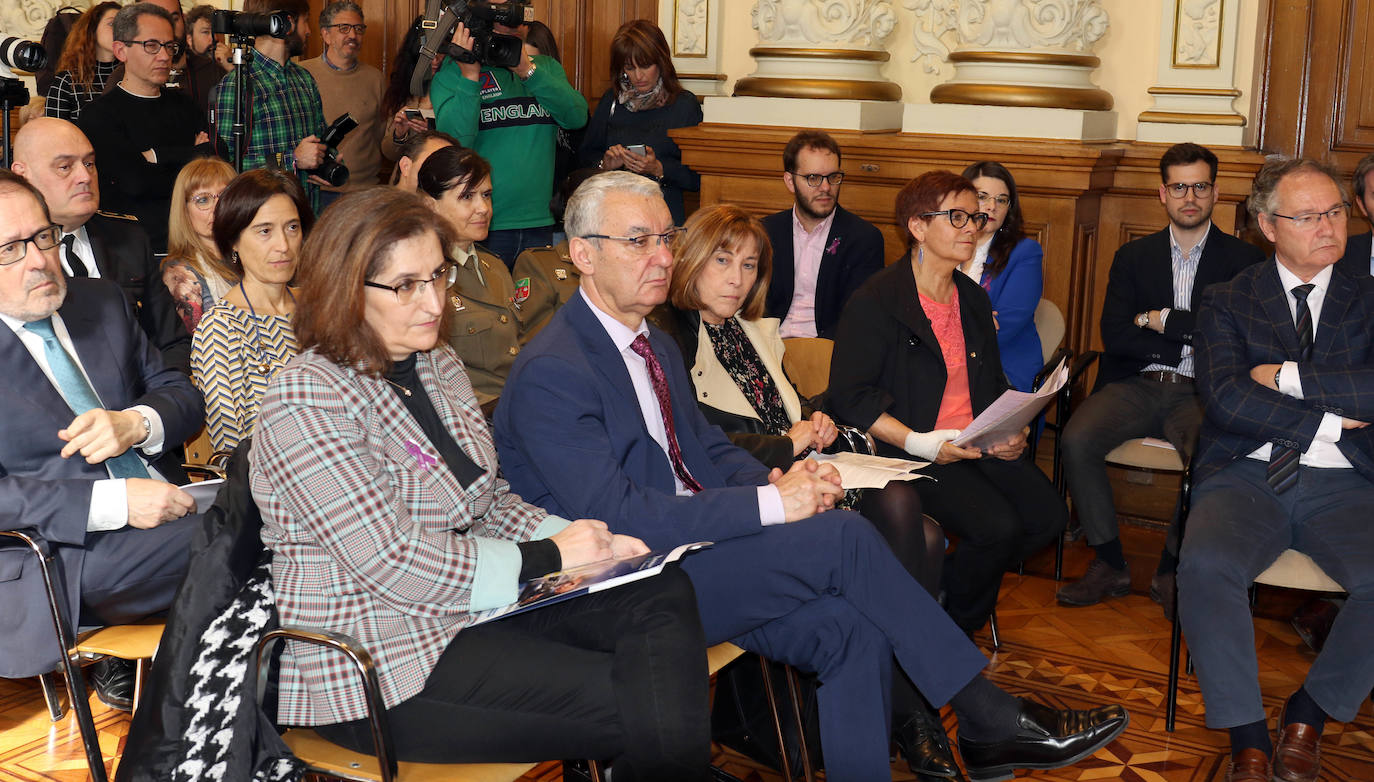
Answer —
(151, 46)
(959, 218)
(814, 180)
(407, 290)
(988, 198)
(1310, 220)
(344, 28)
(643, 244)
(204, 201)
(44, 239)
(1180, 189)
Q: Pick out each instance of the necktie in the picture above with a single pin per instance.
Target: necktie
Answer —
(74, 261)
(665, 407)
(1283, 461)
(71, 383)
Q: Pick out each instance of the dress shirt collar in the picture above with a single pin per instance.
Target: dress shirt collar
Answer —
(1321, 282)
(468, 260)
(620, 334)
(822, 228)
(1196, 252)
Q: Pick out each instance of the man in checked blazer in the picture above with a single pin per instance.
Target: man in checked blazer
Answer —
(1286, 460)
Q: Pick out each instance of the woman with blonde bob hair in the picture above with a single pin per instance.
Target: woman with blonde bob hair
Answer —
(388, 520)
(193, 270)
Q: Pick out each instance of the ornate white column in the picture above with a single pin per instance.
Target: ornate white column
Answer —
(1196, 82)
(693, 31)
(1034, 56)
(817, 58)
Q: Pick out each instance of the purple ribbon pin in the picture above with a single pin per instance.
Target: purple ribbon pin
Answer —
(422, 460)
(834, 245)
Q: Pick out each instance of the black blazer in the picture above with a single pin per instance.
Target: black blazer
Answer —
(124, 255)
(1355, 262)
(887, 359)
(1142, 279)
(853, 252)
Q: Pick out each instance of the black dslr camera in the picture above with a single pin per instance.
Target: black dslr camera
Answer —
(242, 25)
(330, 169)
(488, 46)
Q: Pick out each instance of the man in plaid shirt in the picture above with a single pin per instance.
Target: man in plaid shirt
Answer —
(286, 112)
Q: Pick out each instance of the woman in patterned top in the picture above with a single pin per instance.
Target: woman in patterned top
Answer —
(916, 358)
(241, 342)
(87, 61)
(193, 270)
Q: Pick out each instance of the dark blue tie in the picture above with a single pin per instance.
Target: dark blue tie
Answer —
(1283, 461)
(72, 384)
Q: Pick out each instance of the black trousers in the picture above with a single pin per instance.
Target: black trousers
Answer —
(1002, 512)
(618, 674)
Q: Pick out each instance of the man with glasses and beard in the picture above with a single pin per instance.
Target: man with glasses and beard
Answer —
(285, 106)
(1145, 382)
(142, 132)
(347, 85)
(822, 252)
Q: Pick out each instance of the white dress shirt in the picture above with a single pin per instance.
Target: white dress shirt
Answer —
(109, 498)
(771, 510)
(1323, 451)
(82, 247)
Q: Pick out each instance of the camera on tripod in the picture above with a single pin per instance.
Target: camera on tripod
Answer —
(242, 25)
(330, 169)
(488, 46)
(21, 55)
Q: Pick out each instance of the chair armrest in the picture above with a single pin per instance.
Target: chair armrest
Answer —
(854, 440)
(1062, 354)
(205, 472)
(363, 665)
(1081, 364)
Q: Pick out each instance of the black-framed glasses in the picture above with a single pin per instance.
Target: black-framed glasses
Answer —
(1309, 220)
(150, 46)
(1003, 201)
(406, 291)
(959, 218)
(1180, 189)
(344, 28)
(814, 180)
(204, 201)
(44, 238)
(643, 244)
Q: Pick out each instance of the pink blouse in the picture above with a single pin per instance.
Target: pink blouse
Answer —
(956, 405)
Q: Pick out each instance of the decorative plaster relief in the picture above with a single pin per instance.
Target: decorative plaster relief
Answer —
(1062, 25)
(27, 18)
(865, 23)
(689, 28)
(1197, 33)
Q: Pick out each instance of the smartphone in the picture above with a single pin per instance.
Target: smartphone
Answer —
(638, 149)
(414, 115)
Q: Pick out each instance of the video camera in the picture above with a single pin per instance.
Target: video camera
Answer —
(480, 17)
(22, 55)
(15, 53)
(243, 25)
(330, 169)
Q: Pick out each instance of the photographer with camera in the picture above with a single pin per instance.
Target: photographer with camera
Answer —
(142, 132)
(508, 107)
(284, 110)
(349, 86)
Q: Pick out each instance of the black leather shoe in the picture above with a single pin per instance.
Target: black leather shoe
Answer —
(925, 747)
(113, 681)
(1045, 738)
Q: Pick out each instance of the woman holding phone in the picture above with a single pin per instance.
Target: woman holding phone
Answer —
(630, 127)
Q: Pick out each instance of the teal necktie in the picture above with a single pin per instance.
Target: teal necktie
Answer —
(71, 383)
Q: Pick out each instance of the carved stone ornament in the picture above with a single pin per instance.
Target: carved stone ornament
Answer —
(1197, 33)
(27, 18)
(862, 23)
(689, 28)
(1059, 25)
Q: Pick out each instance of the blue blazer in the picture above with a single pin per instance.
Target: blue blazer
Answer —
(41, 490)
(1015, 294)
(571, 439)
(1246, 322)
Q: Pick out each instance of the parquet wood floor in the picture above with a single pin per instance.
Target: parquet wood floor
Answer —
(1116, 652)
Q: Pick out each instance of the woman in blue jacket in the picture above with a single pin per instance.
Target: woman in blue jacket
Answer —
(1008, 266)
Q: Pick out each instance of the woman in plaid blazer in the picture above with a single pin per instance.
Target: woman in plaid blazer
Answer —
(377, 480)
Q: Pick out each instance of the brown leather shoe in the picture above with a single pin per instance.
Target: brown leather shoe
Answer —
(1251, 766)
(1298, 755)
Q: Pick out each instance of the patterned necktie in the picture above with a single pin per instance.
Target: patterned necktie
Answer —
(74, 261)
(665, 407)
(1283, 461)
(72, 384)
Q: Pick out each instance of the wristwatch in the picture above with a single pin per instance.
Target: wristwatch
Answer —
(1142, 320)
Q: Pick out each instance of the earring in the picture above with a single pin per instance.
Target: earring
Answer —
(237, 261)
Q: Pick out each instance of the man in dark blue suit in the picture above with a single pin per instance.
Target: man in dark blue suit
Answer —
(1358, 260)
(598, 419)
(822, 252)
(1286, 460)
(89, 410)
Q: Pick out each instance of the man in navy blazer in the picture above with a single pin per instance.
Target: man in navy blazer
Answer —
(822, 253)
(1358, 260)
(68, 477)
(1145, 379)
(1286, 460)
(598, 419)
